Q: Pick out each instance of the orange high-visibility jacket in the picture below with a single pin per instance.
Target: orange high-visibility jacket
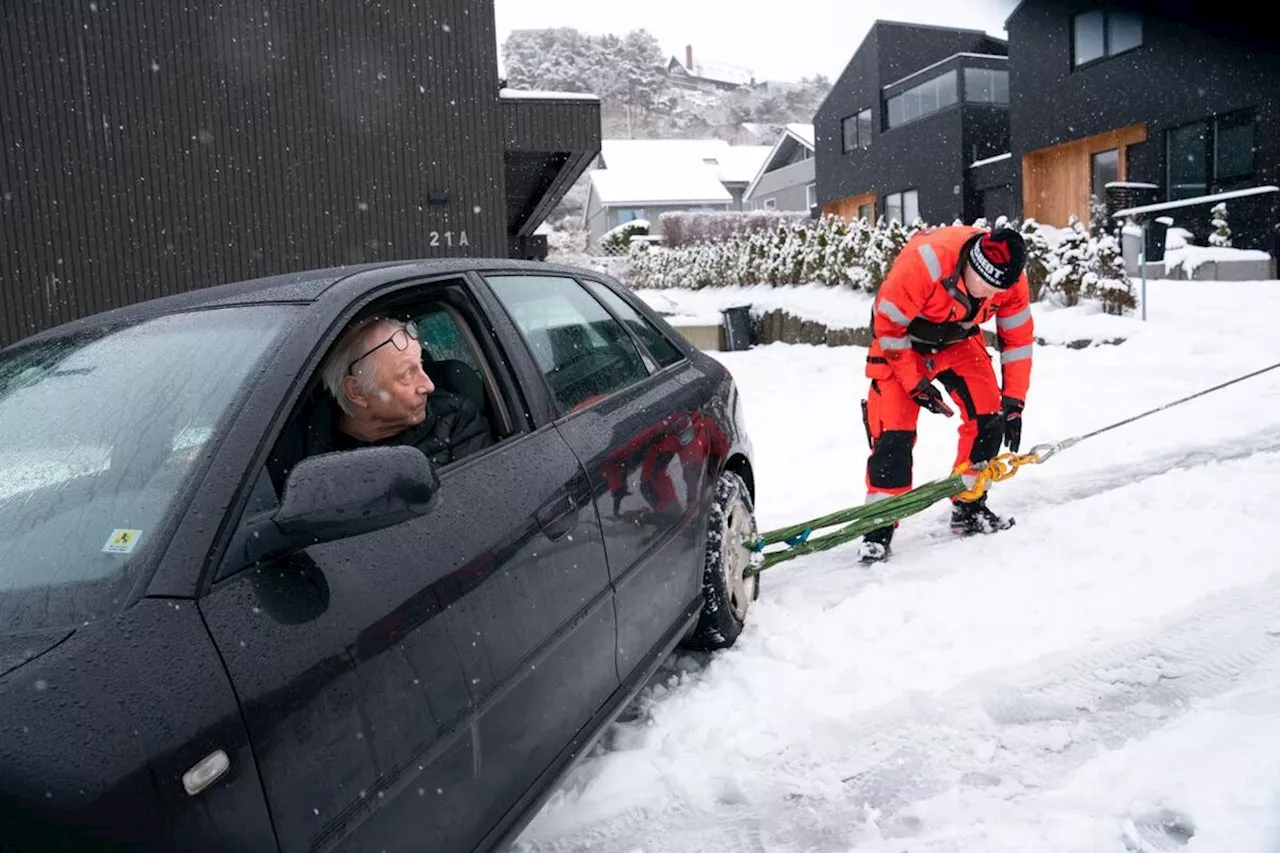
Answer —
(920, 310)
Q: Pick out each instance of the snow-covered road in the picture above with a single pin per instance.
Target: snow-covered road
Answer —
(1105, 676)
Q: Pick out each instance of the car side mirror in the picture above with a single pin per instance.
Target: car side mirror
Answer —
(336, 495)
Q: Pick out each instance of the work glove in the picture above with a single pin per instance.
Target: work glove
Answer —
(1011, 411)
(928, 397)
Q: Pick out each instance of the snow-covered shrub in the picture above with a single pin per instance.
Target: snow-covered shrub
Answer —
(1070, 274)
(1221, 235)
(830, 251)
(571, 240)
(617, 238)
(1099, 225)
(681, 228)
(1108, 282)
(1083, 267)
(1040, 258)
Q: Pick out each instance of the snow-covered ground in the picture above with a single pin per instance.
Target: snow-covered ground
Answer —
(1105, 676)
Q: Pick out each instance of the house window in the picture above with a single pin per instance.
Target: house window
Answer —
(1101, 33)
(865, 211)
(770, 204)
(1213, 155)
(986, 86)
(857, 131)
(810, 196)
(903, 206)
(919, 101)
(626, 214)
(1104, 168)
(1234, 146)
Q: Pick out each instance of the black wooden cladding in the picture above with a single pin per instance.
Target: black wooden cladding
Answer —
(154, 146)
(549, 125)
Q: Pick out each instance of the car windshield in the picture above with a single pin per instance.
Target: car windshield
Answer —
(101, 433)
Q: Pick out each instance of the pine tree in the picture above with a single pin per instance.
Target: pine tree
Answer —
(1221, 235)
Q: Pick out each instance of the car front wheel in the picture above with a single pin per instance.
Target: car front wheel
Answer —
(727, 589)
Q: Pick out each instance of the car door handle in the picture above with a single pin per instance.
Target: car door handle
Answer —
(559, 516)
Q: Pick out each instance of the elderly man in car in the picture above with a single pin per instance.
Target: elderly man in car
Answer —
(375, 375)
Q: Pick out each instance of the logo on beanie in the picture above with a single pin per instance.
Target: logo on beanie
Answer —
(997, 252)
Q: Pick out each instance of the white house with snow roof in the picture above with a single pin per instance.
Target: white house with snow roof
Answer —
(787, 179)
(708, 76)
(644, 178)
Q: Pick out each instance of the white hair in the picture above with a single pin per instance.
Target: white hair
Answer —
(351, 346)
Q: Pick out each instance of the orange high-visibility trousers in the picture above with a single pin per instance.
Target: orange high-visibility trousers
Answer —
(964, 370)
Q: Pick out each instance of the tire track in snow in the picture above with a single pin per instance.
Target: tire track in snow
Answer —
(1013, 734)
(1028, 731)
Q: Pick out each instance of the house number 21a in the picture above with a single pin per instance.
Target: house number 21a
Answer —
(451, 238)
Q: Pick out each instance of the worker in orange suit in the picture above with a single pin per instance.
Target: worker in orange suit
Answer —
(944, 284)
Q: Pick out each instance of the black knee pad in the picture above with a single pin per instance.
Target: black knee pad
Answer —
(890, 464)
(990, 434)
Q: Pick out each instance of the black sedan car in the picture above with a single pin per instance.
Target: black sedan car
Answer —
(226, 626)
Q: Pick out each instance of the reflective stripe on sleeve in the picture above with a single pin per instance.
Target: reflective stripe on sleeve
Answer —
(1006, 323)
(1009, 356)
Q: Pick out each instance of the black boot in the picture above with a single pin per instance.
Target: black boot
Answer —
(969, 517)
(875, 545)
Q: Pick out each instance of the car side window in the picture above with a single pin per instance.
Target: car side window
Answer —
(664, 352)
(583, 352)
(442, 340)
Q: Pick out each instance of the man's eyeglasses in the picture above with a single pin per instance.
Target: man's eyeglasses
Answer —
(399, 340)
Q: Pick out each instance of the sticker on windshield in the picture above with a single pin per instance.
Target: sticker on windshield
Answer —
(122, 541)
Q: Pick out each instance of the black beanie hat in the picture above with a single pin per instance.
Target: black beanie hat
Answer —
(998, 257)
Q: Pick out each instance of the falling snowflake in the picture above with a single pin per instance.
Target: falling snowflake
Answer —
(155, 66)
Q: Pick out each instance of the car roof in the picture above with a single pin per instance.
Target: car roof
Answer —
(303, 287)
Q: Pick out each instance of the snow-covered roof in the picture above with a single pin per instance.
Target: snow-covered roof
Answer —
(720, 72)
(740, 163)
(726, 163)
(658, 185)
(803, 132)
(651, 153)
(537, 94)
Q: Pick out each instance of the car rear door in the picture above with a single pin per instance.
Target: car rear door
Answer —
(631, 407)
(404, 688)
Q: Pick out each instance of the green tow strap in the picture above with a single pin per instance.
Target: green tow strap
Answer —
(861, 520)
(857, 521)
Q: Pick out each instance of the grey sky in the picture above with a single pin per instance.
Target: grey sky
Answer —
(781, 41)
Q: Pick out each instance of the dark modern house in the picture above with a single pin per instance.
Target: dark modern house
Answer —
(152, 147)
(1138, 104)
(915, 106)
(1171, 106)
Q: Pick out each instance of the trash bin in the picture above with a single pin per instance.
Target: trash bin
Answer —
(1157, 234)
(737, 327)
